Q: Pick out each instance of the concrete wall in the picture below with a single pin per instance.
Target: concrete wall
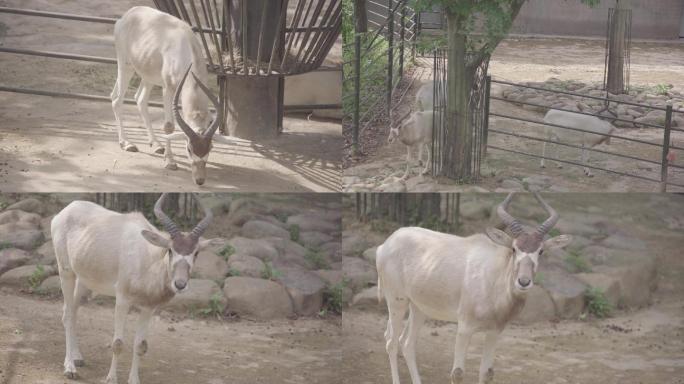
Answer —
(651, 19)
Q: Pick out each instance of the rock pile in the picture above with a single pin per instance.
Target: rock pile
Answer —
(658, 96)
(281, 264)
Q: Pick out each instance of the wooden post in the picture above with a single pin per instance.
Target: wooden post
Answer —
(666, 149)
(615, 83)
(458, 138)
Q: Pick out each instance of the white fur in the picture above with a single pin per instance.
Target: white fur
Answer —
(159, 48)
(579, 121)
(425, 97)
(472, 280)
(117, 255)
(416, 131)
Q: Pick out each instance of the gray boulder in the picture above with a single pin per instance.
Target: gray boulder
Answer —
(314, 239)
(623, 241)
(369, 255)
(310, 222)
(209, 265)
(538, 307)
(26, 275)
(332, 250)
(609, 285)
(567, 293)
(45, 254)
(256, 229)
(260, 249)
(52, 285)
(637, 281)
(257, 298)
(330, 276)
(23, 219)
(197, 296)
(11, 258)
(305, 288)
(368, 299)
(28, 205)
(359, 273)
(16, 236)
(245, 265)
(289, 252)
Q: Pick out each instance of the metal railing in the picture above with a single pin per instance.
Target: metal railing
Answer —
(665, 145)
(94, 59)
(379, 57)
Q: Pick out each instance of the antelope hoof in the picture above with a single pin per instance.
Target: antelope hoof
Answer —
(488, 377)
(457, 376)
(71, 375)
(142, 348)
(560, 166)
(111, 380)
(588, 174)
(171, 166)
(168, 128)
(542, 166)
(79, 362)
(128, 147)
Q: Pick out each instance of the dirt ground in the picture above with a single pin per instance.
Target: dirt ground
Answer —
(50, 144)
(538, 59)
(639, 346)
(180, 351)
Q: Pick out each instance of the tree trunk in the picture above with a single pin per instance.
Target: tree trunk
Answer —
(254, 103)
(616, 48)
(459, 80)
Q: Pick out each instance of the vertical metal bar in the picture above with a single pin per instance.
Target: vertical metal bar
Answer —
(402, 31)
(293, 28)
(281, 99)
(390, 53)
(222, 101)
(262, 24)
(415, 34)
(666, 149)
(210, 20)
(281, 22)
(485, 130)
(357, 92)
(243, 28)
(226, 6)
(199, 25)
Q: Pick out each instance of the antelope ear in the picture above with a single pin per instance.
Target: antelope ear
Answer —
(558, 242)
(156, 239)
(203, 243)
(498, 236)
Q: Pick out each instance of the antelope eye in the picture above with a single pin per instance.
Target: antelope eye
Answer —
(541, 252)
(195, 255)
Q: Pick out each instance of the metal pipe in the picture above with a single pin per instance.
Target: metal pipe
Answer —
(666, 149)
(57, 55)
(58, 15)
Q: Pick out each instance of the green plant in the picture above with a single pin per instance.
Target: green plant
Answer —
(333, 298)
(662, 89)
(539, 278)
(315, 258)
(294, 232)
(233, 272)
(270, 272)
(597, 303)
(5, 246)
(36, 277)
(214, 308)
(576, 262)
(227, 251)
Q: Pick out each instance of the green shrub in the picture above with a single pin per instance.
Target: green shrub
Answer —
(214, 308)
(539, 278)
(269, 272)
(315, 259)
(233, 272)
(5, 246)
(576, 262)
(227, 251)
(662, 89)
(597, 303)
(294, 232)
(36, 277)
(554, 232)
(333, 298)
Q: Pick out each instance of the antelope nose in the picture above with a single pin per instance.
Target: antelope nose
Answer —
(524, 282)
(180, 284)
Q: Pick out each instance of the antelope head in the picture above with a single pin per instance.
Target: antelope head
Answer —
(181, 247)
(394, 129)
(526, 245)
(198, 143)
(608, 117)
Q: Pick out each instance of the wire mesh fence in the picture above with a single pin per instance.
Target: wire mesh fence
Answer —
(439, 211)
(374, 64)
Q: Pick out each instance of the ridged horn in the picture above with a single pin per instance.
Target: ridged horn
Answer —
(209, 133)
(546, 226)
(204, 223)
(189, 132)
(513, 224)
(166, 221)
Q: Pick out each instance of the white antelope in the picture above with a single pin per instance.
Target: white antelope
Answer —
(479, 281)
(125, 256)
(161, 48)
(584, 139)
(425, 96)
(416, 131)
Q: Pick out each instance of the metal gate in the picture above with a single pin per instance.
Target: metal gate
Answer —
(444, 161)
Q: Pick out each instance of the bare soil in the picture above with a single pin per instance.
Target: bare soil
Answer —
(637, 346)
(538, 59)
(52, 144)
(180, 350)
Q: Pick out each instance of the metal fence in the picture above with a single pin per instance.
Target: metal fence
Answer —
(374, 64)
(665, 145)
(440, 211)
(92, 59)
(445, 158)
